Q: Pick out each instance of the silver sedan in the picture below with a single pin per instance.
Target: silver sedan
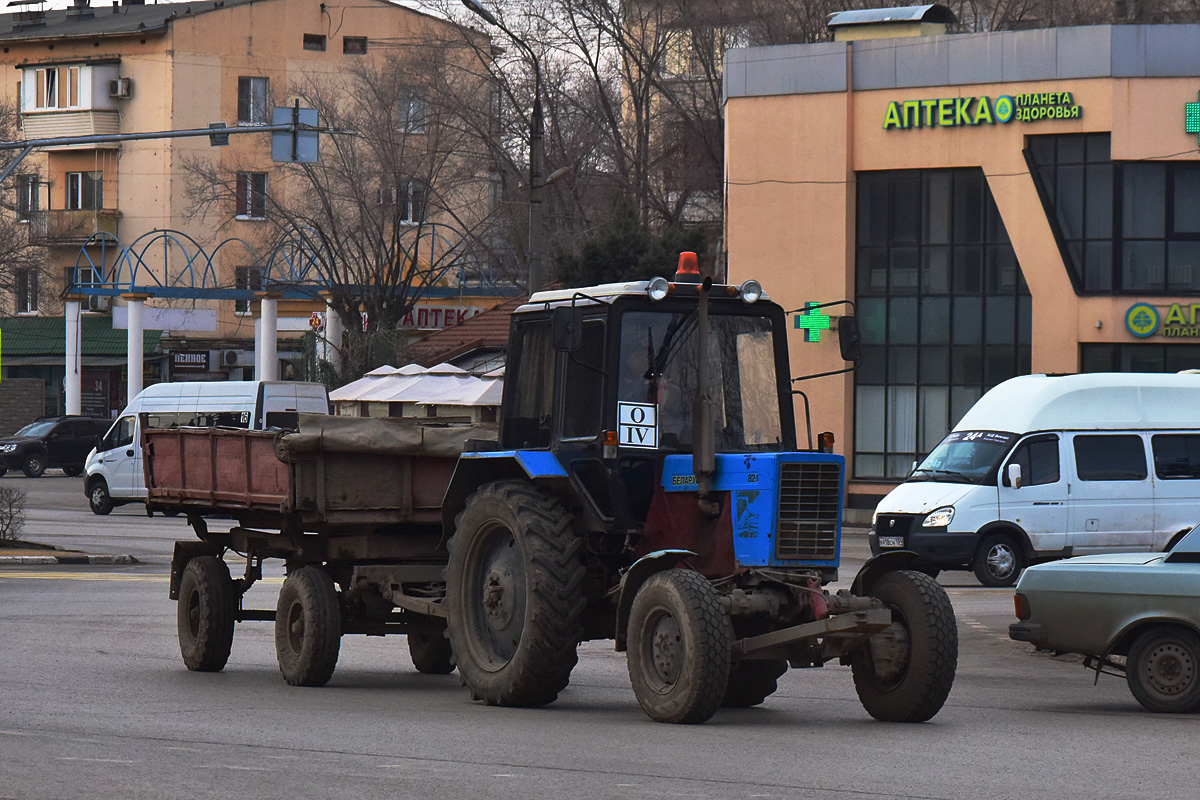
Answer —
(1132, 613)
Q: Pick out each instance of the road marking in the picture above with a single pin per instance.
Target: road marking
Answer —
(96, 760)
(99, 576)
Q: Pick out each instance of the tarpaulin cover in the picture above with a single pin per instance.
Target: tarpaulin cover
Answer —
(401, 436)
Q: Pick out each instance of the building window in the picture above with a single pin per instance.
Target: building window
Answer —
(47, 88)
(246, 278)
(314, 41)
(935, 273)
(251, 195)
(26, 291)
(73, 89)
(253, 101)
(412, 111)
(27, 197)
(1139, 357)
(354, 45)
(85, 191)
(1123, 227)
(408, 196)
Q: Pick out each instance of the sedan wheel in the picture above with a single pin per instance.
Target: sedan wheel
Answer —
(1163, 670)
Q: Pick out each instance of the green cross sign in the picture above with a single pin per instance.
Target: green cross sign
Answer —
(812, 323)
(1191, 118)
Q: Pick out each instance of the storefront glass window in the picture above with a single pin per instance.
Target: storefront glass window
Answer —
(1124, 227)
(936, 272)
(1139, 357)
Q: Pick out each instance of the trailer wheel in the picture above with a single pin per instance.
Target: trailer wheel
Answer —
(679, 647)
(207, 603)
(431, 653)
(308, 627)
(514, 595)
(904, 672)
(1163, 670)
(752, 682)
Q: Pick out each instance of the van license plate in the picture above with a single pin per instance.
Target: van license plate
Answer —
(891, 541)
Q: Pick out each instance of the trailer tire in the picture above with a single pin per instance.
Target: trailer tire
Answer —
(308, 627)
(904, 673)
(752, 682)
(514, 595)
(679, 647)
(431, 653)
(205, 614)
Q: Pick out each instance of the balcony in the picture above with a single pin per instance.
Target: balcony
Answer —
(71, 228)
(86, 122)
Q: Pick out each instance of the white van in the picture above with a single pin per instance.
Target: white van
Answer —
(114, 468)
(1046, 467)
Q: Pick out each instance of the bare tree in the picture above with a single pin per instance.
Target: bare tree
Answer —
(23, 266)
(400, 199)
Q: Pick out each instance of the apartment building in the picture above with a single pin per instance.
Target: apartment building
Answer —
(129, 67)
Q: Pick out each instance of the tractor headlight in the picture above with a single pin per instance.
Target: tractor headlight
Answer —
(939, 518)
(658, 288)
(751, 291)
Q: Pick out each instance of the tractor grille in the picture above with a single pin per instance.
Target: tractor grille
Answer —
(809, 496)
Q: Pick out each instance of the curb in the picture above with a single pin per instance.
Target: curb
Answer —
(68, 559)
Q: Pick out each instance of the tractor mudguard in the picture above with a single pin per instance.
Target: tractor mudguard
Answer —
(876, 566)
(633, 579)
(185, 552)
(475, 469)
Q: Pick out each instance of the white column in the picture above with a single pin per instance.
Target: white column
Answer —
(258, 348)
(136, 347)
(333, 337)
(72, 385)
(270, 335)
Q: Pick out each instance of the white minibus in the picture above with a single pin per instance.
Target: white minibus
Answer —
(1049, 466)
(114, 468)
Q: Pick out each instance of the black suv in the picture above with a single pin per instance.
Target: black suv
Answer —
(62, 442)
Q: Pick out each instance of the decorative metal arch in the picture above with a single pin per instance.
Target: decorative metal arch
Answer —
(291, 268)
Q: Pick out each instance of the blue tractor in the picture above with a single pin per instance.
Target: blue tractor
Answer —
(647, 487)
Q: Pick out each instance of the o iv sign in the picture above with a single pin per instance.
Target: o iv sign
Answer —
(637, 424)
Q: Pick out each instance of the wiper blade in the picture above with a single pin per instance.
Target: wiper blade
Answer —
(950, 472)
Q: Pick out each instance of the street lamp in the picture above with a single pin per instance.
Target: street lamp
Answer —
(537, 148)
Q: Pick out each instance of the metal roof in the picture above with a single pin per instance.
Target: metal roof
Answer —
(876, 16)
(46, 336)
(106, 20)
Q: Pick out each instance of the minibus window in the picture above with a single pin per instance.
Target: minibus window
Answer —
(1176, 456)
(1110, 458)
(1039, 461)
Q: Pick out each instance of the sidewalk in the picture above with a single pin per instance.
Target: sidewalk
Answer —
(35, 555)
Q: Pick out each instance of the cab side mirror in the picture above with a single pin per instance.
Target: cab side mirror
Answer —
(1014, 476)
(566, 329)
(849, 339)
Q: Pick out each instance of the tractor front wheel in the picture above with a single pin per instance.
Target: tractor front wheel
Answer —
(904, 672)
(679, 647)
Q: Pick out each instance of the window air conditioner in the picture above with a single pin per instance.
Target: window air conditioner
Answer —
(121, 88)
(229, 358)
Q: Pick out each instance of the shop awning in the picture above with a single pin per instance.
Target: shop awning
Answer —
(46, 337)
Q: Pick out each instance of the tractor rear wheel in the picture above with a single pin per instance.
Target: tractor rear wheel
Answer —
(904, 672)
(679, 647)
(514, 594)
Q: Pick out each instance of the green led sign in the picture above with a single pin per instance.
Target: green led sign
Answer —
(812, 323)
(1191, 117)
(948, 112)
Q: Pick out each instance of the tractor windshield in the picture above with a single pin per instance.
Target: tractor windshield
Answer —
(657, 381)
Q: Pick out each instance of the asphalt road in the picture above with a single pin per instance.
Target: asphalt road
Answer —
(95, 702)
